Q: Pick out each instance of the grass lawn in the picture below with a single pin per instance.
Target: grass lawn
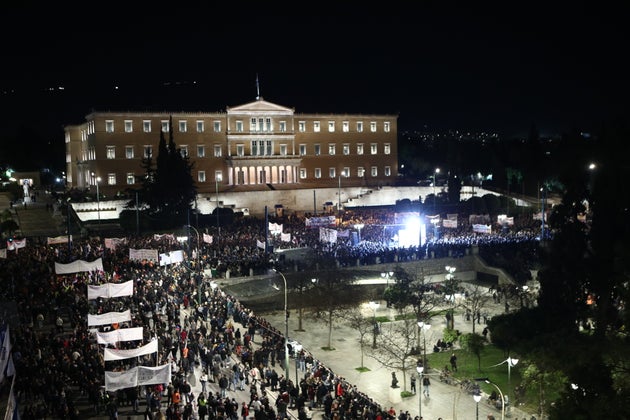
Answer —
(468, 367)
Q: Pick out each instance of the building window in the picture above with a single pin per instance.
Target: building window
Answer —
(302, 126)
(345, 126)
(253, 124)
(218, 176)
(254, 150)
(387, 148)
(131, 179)
(111, 179)
(346, 149)
(360, 126)
(129, 152)
(217, 126)
(360, 172)
(183, 126)
(128, 126)
(109, 126)
(318, 173)
(373, 148)
(240, 150)
(283, 126)
(269, 151)
(283, 150)
(374, 170)
(346, 172)
(239, 126)
(318, 150)
(146, 126)
(201, 176)
(217, 151)
(201, 151)
(111, 152)
(386, 127)
(148, 151)
(331, 149)
(302, 150)
(316, 127)
(268, 126)
(331, 126)
(388, 171)
(360, 149)
(373, 126)
(164, 124)
(332, 172)
(184, 151)
(302, 173)
(200, 126)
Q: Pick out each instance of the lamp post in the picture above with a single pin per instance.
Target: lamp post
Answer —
(437, 171)
(511, 362)
(98, 199)
(451, 288)
(422, 327)
(359, 226)
(218, 178)
(488, 381)
(374, 306)
(386, 275)
(286, 327)
(420, 370)
(197, 263)
(477, 398)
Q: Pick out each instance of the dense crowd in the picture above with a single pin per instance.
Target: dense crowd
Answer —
(233, 346)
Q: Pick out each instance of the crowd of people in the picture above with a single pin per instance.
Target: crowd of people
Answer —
(234, 347)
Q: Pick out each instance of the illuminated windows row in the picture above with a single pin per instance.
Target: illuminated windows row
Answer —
(255, 125)
(332, 172)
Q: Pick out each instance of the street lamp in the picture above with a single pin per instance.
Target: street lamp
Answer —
(510, 363)
(422, 327)
(488, 381)
(477, 398)
(98, 199)
(386, 275)
(420, 370)
(198, 265)
(374, 306)
(286, 327)
(451, 288)
(218, 178)
(437, 171)
(359, 226)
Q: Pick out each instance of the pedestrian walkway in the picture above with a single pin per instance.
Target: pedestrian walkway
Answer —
(445, 401)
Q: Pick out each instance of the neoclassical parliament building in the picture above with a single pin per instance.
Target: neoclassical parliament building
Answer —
(258, 146)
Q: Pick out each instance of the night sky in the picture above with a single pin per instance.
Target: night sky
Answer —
(466, 68)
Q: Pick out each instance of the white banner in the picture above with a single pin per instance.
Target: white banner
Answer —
(3, 253)
(79, 266)
(121, 334)
(275, 228)
(285, 237)
(143, 254)
(448, 223)
(171, 257)
(482, 228)
(110, 290)
(58, 240)
(112, 243)
(109, 318)
(260, 244)
(207, 238)
(321, 221)
(138, 376)
(327, 235)
(114, 354)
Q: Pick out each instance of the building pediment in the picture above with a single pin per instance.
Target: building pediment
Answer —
(260, 106)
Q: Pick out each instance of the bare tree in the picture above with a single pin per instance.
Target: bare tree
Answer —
(357, 320)
(333, 293)
(477, 299)
(396, 341)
